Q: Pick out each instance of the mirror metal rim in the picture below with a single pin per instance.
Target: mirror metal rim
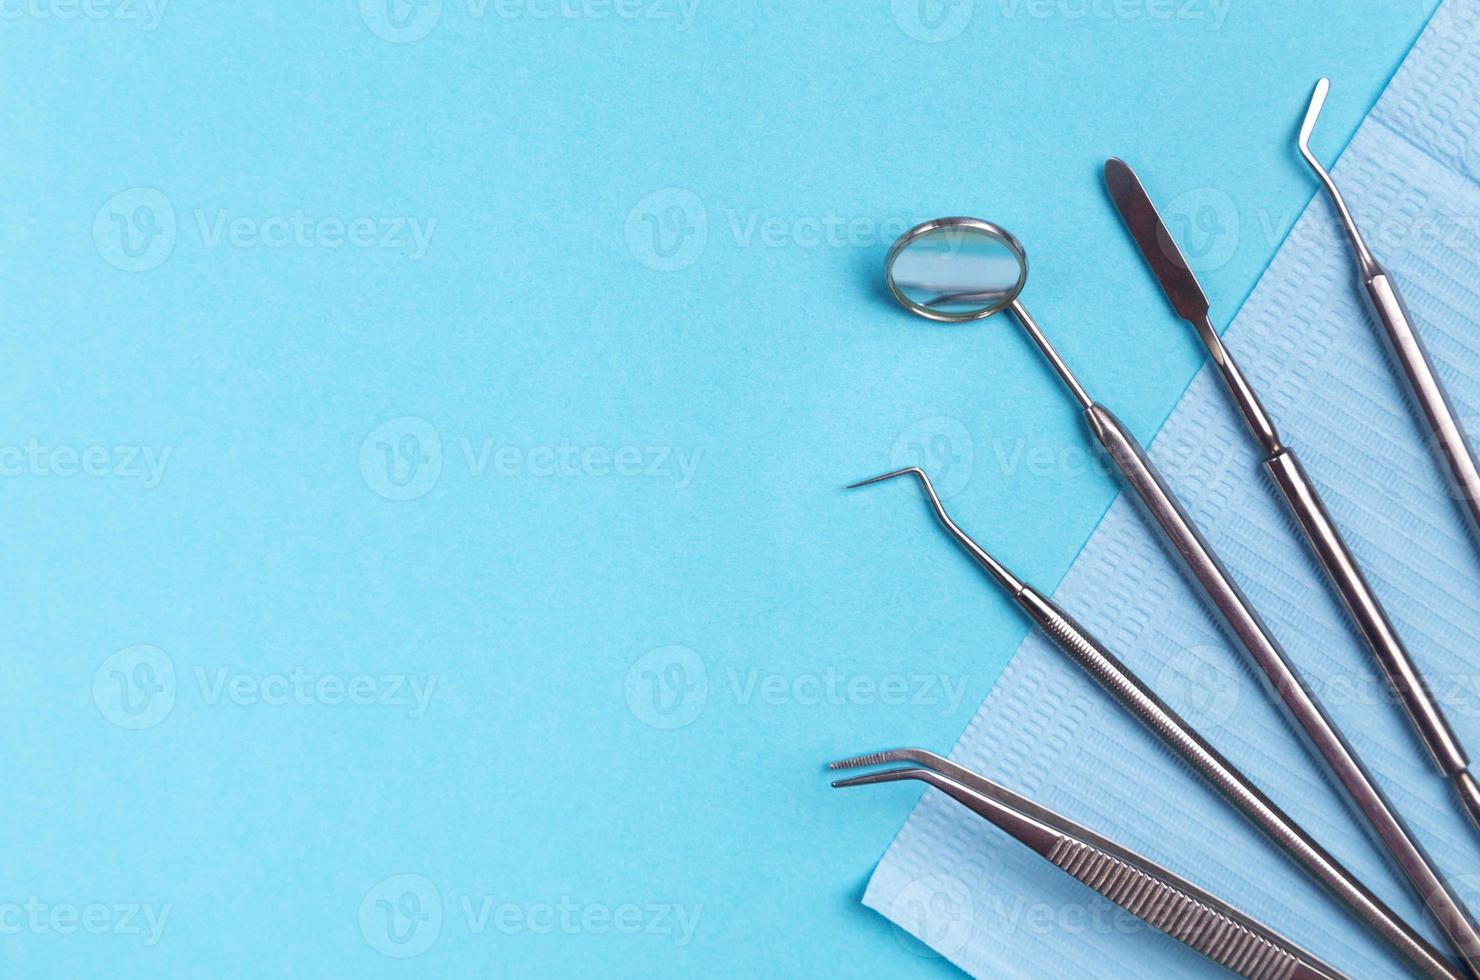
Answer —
(935, 224)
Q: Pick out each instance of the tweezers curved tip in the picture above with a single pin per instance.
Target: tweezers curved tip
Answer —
(919, 756)
(887, 776)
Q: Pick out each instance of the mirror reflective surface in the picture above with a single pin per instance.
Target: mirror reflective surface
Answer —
(956, 269)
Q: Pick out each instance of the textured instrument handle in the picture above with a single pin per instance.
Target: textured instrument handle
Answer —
(1184, 917)
(1246, 798)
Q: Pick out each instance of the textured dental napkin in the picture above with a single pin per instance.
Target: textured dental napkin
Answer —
(1410, 176)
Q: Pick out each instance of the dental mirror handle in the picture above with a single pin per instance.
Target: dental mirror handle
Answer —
(1297, 701)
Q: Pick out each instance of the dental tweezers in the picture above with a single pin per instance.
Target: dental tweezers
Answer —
(1157, 896)
(1296, 489)
(1160, 720)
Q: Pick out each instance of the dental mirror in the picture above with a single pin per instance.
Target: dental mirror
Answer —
(959, 269)
(956, 269)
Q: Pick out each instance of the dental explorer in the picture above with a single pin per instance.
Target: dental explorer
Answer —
(1404, 345)
(1159, 897)
(1080, 646)
(1296, 489)
(943, 281)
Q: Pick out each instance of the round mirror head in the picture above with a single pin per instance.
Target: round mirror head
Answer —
(956, 269)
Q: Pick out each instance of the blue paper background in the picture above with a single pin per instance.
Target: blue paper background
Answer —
(776, 148)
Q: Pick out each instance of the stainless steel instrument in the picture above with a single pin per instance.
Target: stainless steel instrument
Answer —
(1176, 734)
(1157, 896)
(969, 269)
(1296, 489)
(1403, 343)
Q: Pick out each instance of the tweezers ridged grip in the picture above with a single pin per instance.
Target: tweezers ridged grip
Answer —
(1181, 916)
(1247, 799)
(1301, 706)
